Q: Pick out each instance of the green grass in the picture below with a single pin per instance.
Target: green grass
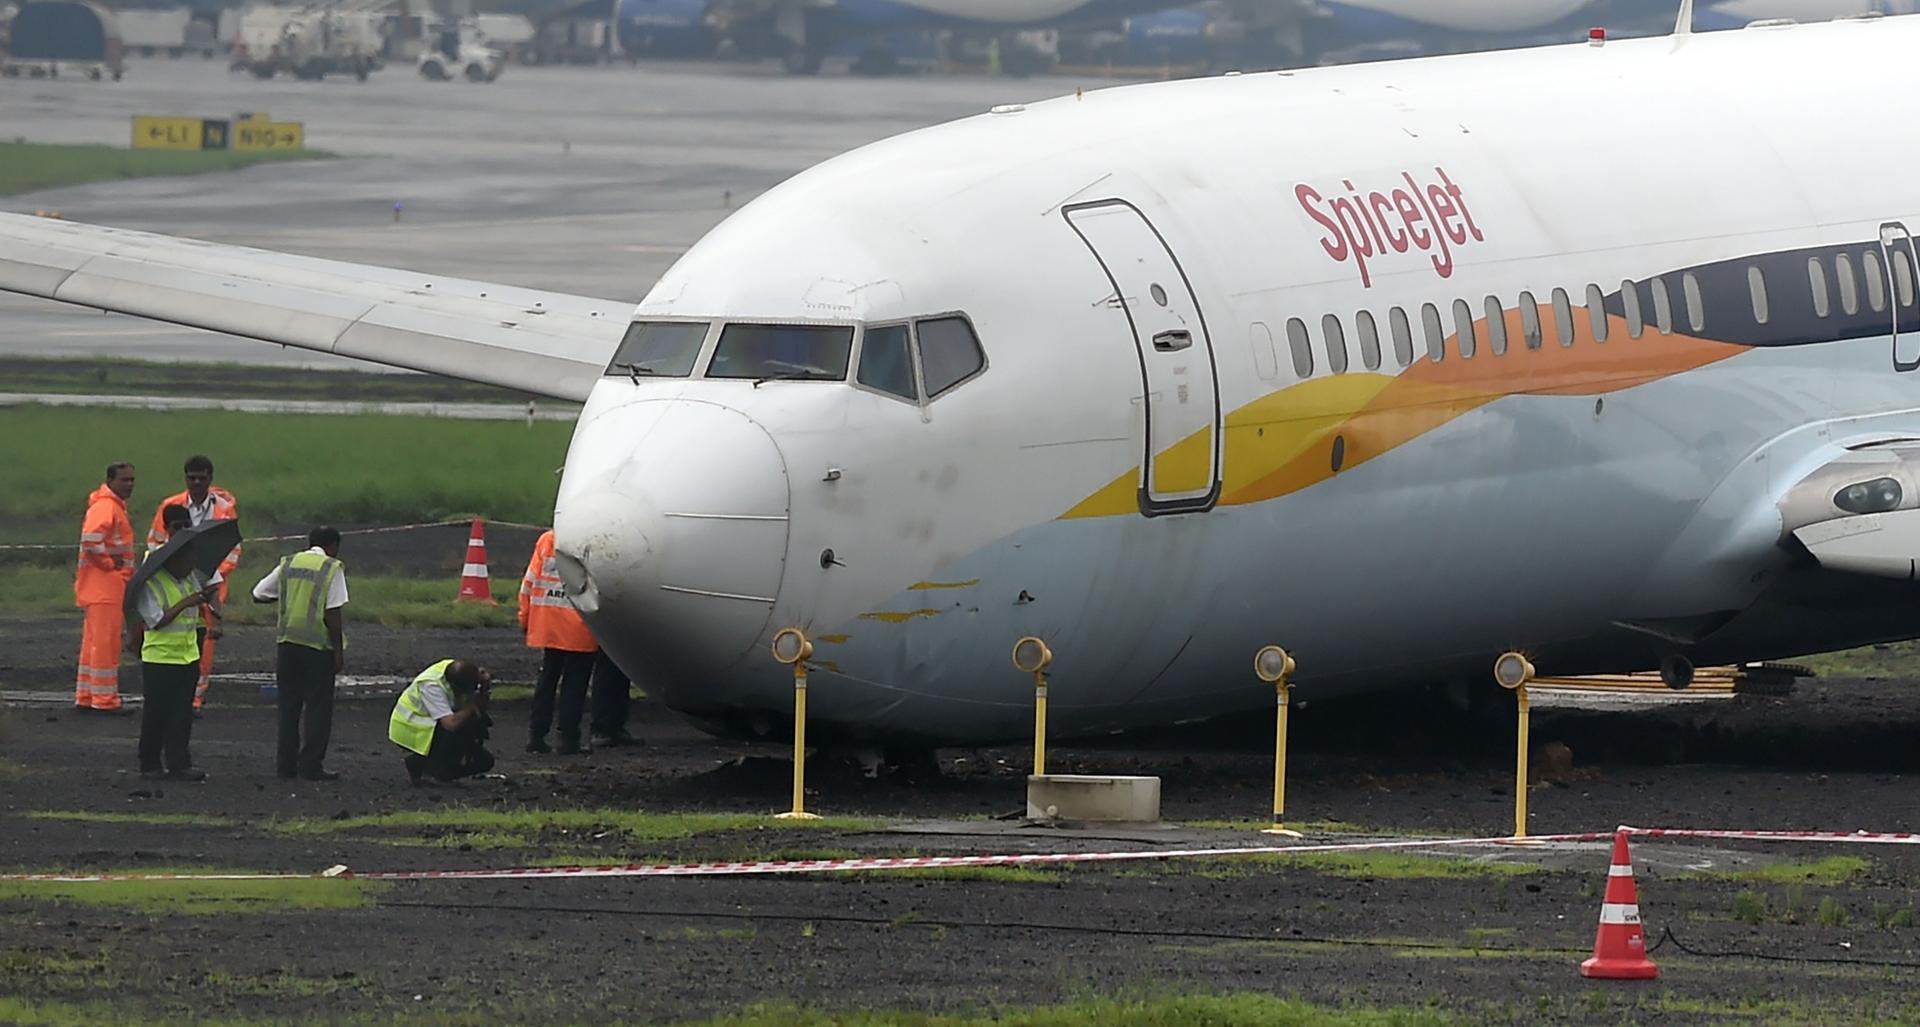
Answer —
(1249, 1010)
(1235, 1010)
(1894, 660)
(32, 592)
(25, 167)
(481, 828)
(91, 376)
(1830, 871)
(288, 470)
(199, 898)
(1304, 827)
(1368, 865)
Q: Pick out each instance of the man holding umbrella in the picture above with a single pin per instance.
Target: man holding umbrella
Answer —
(171, 595)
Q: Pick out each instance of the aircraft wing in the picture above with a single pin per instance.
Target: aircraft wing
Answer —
(545, 344)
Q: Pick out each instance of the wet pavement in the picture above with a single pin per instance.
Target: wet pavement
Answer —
(584, 180)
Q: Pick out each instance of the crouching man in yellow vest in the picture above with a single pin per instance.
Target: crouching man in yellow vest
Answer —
(442, 722)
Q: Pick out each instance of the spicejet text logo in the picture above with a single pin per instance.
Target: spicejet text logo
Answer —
(1432, 218)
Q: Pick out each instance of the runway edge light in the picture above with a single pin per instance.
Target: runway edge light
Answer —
(1273, 665)
(1031, 656)
(1512, 671)
(791, 647)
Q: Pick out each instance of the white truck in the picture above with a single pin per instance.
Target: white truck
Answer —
(307, 43)
(150, 33)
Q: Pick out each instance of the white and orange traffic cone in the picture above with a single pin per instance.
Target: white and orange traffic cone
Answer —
(1620, 946)
(474, 587)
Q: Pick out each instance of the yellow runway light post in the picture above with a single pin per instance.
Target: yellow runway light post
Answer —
(1032, 656)
(1513, 671)
(1274, 666)
(791, 647)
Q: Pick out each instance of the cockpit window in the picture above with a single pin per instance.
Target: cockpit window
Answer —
(886, 361)
(658, 349)
(782, 352)
(949, 353)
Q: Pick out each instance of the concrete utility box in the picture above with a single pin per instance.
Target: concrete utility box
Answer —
(1087, 797)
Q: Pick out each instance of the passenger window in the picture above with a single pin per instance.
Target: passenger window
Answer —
(1630, 300)
(1849, 288)
(1875, 275)
(1301, 346)
(782, 352)
(1696, 303)
(1435, 331)
(1902, 278)
(1597, 313)
(1817, 280)
(1463, 327)
(1369, 340)
(886, 361)
(1662, 306)
(1530, 320)
(658, 349)
(1563, 317)
(1402, 336)
(1496, 326)
(949, 353)
(1757, 285)
(1336, 344)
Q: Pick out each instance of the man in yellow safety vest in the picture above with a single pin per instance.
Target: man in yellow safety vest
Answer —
(170, 606)
(441, 720)
(311, 588)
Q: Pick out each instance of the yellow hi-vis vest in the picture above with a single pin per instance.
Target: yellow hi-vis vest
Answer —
(177, 642)
(306, 578)
(410, 727)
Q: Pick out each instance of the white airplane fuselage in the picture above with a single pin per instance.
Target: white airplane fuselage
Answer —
(1149, 476)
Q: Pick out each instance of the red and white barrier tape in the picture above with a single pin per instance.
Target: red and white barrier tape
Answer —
(811, 866)
(818, 866)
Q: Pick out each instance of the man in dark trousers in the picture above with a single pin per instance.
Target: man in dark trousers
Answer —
(441, 721)
(311, 588)
(170, 607)
(610, 702)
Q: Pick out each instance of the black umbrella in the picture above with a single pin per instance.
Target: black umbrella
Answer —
(208, 541)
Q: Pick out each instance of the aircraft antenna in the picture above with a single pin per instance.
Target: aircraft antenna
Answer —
(1684, 26)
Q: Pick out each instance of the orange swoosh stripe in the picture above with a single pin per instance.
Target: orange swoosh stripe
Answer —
(1281, 443)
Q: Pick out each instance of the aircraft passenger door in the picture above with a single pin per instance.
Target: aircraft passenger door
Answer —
(1182, 397)
(1903, 293)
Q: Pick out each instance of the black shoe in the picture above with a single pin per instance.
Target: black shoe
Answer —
(569, 747)
(539, 746)
(601, 741)
(621, 737)
(285, 774)
(189, 774)
(320, 775)
(416, 769)
(152, 775)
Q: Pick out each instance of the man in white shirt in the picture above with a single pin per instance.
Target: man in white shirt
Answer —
(441, 721)
(311, 588)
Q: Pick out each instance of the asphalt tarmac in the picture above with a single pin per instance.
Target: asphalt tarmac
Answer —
(584, 180)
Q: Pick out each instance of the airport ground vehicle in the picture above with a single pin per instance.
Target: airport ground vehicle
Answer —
(55, 38)
(460, 50)
(307, 43)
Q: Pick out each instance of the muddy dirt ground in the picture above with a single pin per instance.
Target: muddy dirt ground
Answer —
(1486, 945)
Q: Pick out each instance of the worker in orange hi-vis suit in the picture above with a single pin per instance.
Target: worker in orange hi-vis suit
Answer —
(204, 501)
(99, 588)
(567, 649)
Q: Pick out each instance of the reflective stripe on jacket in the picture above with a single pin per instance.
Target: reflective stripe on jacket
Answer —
(306, 579)
(224, 509)
(546, 613)
(410, 727)
(104, 534)
(177, 641)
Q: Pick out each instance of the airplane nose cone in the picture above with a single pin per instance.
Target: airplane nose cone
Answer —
(671, 534)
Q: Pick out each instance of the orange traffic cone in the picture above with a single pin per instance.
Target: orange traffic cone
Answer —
(473, 577)
(1620, 946)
